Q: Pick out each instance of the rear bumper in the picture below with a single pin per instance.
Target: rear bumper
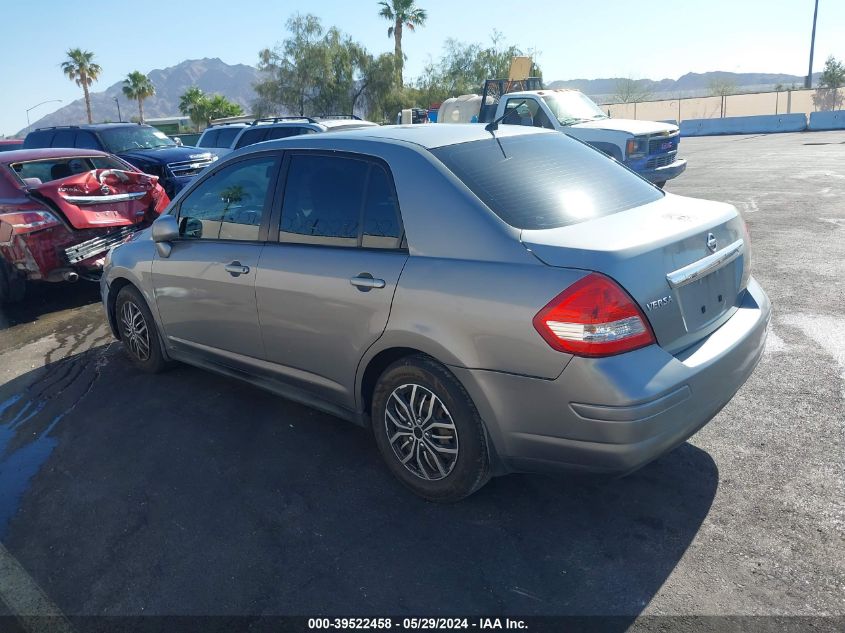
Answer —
(51, 254)
(616, 414)
(662, 174)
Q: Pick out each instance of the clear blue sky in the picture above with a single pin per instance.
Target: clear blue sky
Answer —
(576, 39)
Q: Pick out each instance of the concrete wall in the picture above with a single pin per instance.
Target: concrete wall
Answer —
(834, 120)
(744, 125)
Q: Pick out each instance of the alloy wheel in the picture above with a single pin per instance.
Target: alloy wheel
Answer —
(421, 432)
(136, 334)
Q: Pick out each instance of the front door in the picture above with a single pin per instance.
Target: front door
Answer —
(325, 289)
(205, 289)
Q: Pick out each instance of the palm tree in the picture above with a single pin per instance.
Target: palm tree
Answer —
(191, 105)
(402, 13)
(80, 67)
(139, 87)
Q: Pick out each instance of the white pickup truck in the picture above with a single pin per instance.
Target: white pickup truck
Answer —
(650, 148)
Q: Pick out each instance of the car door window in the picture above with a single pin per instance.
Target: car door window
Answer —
(230, 204)
(382, 228)
(282, 132)
(323, 200)
(251, 136)
(209, 138)
(525, 111)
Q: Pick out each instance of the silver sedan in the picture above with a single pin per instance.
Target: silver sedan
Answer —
(485, 299)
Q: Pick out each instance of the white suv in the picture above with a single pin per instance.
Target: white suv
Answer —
(284, 126)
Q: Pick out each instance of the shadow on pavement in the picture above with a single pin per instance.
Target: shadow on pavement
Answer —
(188, 493)
(45, 298)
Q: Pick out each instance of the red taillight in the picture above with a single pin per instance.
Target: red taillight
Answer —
(593, 317)
(29, 221)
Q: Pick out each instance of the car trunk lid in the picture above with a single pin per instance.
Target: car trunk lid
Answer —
(684, 261)
(102, 197)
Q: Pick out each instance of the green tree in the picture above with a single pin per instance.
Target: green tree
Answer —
(217, 107)
(296, 70)
(828, 96)
(463, 67)
(402, 14)
(316, 71)
(139, 87)
(80, 67)
(190, 105)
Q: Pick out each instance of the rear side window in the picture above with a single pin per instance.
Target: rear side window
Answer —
(39, 138)
(545, 181)
(381, 212)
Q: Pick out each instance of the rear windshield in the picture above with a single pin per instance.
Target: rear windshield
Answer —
(34, 172)
(543, 181)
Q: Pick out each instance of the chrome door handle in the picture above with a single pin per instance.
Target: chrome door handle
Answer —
(235, 269)
(365, 281)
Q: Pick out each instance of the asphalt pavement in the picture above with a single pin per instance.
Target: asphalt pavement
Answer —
(188, 493)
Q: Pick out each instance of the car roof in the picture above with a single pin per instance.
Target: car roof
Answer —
(427, 135)
(350, 123)
(11, 141)
(18, 155)
(91, 126)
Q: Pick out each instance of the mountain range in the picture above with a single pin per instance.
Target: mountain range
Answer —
(235, 82)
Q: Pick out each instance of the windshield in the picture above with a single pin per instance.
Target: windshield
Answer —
(123, 139)
(545, 180)
(571, 106)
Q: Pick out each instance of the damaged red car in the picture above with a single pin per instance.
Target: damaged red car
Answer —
(61, 210)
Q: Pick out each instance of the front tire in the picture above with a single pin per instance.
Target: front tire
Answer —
(138, 331)
(428, 430)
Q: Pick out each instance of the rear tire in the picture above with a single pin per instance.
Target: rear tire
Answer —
(138, 332)
(12, 284)
(428, 430)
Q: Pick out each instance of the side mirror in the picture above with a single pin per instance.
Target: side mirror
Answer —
(165, 230)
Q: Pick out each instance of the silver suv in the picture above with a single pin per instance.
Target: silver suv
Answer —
(485, 300)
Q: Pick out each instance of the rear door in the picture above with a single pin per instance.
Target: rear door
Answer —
(324, 290)
(205, 289)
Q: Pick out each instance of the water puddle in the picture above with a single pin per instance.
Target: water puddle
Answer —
(19, 465)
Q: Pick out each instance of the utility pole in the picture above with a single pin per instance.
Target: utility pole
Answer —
(808, 82)
(118, 110)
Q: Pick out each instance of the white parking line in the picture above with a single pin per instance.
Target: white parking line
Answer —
(27, 601)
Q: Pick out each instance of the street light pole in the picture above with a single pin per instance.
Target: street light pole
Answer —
(808, 82)
(28, 125)
(118, 110)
